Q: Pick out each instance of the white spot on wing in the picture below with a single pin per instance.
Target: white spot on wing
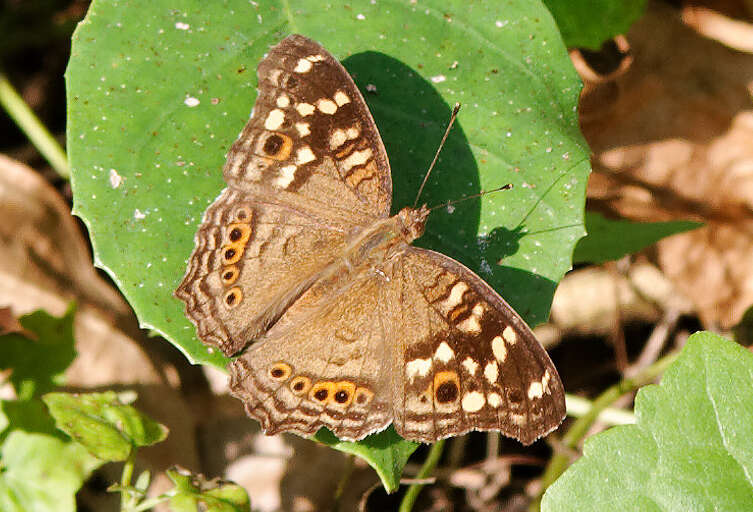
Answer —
(455, 298)
(274, 119)
(417, 367)
(510, 336)
(499, 349)
(283, 101)
(341, 98)
(494, 399)
(303, 66)
(444, 353)
(470, 365)
(326, 106)
(305, 109)
(473, 401)
(286, 177)
(356, 158)
(491, 372)
(337, 138)
(304, 156)
(303, 129)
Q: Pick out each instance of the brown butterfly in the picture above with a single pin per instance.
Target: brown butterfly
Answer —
(338, 320)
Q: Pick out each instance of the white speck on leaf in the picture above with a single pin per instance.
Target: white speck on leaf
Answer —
(360, 17)
(115, 178)
(191, 101)
(137, 214)
(182, 26)
(438, 79)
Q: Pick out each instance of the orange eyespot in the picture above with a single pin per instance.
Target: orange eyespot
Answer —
(229, 275)
(446, 387)
(231, 253)
(280, 371)
(343, 393)
(299, 385)
(232, 297)
(363, 396)
(237, 233)
(322, 391)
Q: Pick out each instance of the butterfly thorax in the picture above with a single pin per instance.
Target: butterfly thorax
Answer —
(385, 239)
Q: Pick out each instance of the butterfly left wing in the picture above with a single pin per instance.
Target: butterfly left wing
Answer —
(468, 361)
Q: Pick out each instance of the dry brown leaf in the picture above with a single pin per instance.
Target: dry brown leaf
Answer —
(45, 264)
(672, 140)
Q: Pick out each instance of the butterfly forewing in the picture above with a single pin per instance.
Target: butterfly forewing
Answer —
(311, 134)
(322, 365)
(342, 323)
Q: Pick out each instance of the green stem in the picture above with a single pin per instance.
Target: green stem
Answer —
(406, 505)
(33, 128)
(577, 431)
(125, 483)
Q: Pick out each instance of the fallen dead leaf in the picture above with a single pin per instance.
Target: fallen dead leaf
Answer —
(671, 138)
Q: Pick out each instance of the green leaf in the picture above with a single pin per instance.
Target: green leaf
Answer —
(38, 364)
(146, 164)
(690, 449)
(27, 415)
(385, 451)
(194, 492)
(41, 473)
(103, 424)
(588, 23)
(609, 240)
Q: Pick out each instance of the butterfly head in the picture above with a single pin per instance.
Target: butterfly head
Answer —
(413, 222)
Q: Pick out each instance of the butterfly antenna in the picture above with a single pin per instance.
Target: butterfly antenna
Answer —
(454, 114)
(482, 193)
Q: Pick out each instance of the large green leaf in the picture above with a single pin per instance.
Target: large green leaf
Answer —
(386, 452)
(157, 94)
(588, 23)
(691, 448)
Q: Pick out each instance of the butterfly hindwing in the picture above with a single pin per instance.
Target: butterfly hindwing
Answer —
(323, 364)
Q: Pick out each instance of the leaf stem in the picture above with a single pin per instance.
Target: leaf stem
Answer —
(435, 453)
(125, 483)
(33, 128)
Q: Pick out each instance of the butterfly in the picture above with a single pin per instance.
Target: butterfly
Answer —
(336, 320)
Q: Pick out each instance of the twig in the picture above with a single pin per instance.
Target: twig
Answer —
(406, 505)
(33, 128)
